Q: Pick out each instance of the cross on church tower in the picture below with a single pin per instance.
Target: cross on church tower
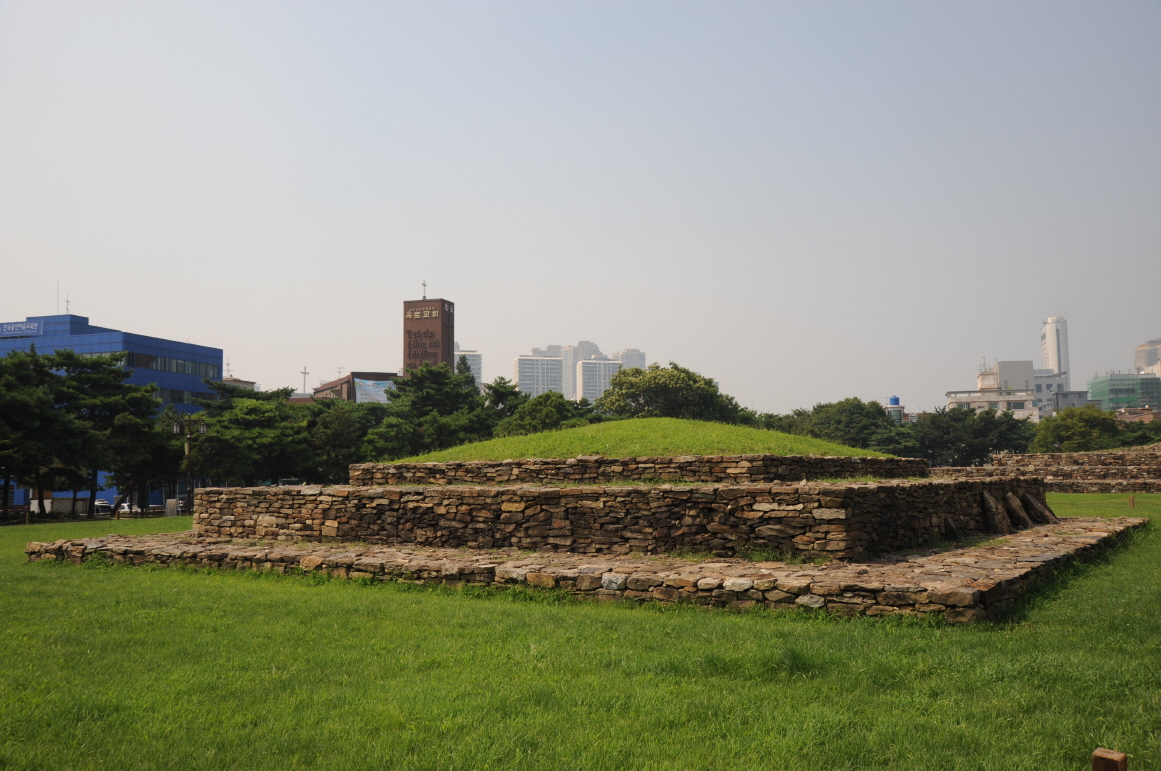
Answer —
(425, 289)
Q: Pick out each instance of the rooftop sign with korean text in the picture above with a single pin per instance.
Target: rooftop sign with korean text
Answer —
(21, 328)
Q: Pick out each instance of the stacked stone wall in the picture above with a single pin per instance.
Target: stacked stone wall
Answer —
(844, 521)
(964, 585)
(1120, 471)
(721, 469)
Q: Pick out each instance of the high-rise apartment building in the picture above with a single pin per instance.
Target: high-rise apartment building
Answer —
(630, 357)
(593, 376)
(535, 375)
(1054, 347)
(572, 356)
(569, 355)
(1147, 354)
(475, 361)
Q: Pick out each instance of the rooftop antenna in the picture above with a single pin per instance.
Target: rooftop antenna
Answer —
(67, 304)
(340, 370)
(58, 298)
(424, 293)
(304, 374)
(228, 373)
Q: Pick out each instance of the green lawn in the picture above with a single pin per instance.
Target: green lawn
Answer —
(648, 437)
(134, 668)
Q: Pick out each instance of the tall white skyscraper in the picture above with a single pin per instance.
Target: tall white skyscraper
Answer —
(1054, 347)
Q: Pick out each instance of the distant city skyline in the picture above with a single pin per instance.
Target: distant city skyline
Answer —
(559, 368)
(803, 201)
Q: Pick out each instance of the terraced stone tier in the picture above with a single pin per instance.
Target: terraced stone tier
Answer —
(597, 469)
(964, 584)
(850, 520)
(1129, 470)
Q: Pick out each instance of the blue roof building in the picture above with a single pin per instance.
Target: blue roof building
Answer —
(176, 368)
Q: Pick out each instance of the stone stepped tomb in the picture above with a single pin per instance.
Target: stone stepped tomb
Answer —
(651, 529)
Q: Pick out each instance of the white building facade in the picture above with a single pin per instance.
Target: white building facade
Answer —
(475, 361)
(535, 375)
(1003, 386)
(630, 357)
(586, 350)
(593, 376)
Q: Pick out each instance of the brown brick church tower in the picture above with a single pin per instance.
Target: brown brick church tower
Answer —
(428, 332)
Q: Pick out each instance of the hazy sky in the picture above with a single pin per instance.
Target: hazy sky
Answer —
(805, 201)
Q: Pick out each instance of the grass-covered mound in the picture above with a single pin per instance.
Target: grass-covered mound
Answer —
(645, 437)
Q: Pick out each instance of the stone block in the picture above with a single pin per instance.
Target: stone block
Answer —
(794, 585)
(588, 582)
(960, 597)
(614, 581)
(543, 580)
(641, 582)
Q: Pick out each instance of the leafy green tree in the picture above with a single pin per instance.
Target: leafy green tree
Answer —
(1138, 433)
(670, 392)
(794, 422)
(852, 422)
(1078, 429)
(546, 412)
(256, 440)
(338, 431)
(392, 439)
(896, 440)
(125, 437)
(43, 434)
(502, 398)
(227, 393)
(430, 409)
(961, 437)
(142, 452)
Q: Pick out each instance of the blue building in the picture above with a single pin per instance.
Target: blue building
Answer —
(177, 368)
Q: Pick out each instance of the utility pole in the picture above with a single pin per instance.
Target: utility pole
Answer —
(186, 426)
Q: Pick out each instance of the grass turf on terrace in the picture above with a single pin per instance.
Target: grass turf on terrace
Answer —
(645, 437)
(136, 668)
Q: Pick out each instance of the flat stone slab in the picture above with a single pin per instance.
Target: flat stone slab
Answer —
(965, 584)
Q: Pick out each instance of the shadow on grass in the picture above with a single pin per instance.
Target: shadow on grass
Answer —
(1048, 590)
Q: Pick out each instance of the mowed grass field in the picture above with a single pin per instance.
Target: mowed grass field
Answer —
(109, 667)
(649, 437)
